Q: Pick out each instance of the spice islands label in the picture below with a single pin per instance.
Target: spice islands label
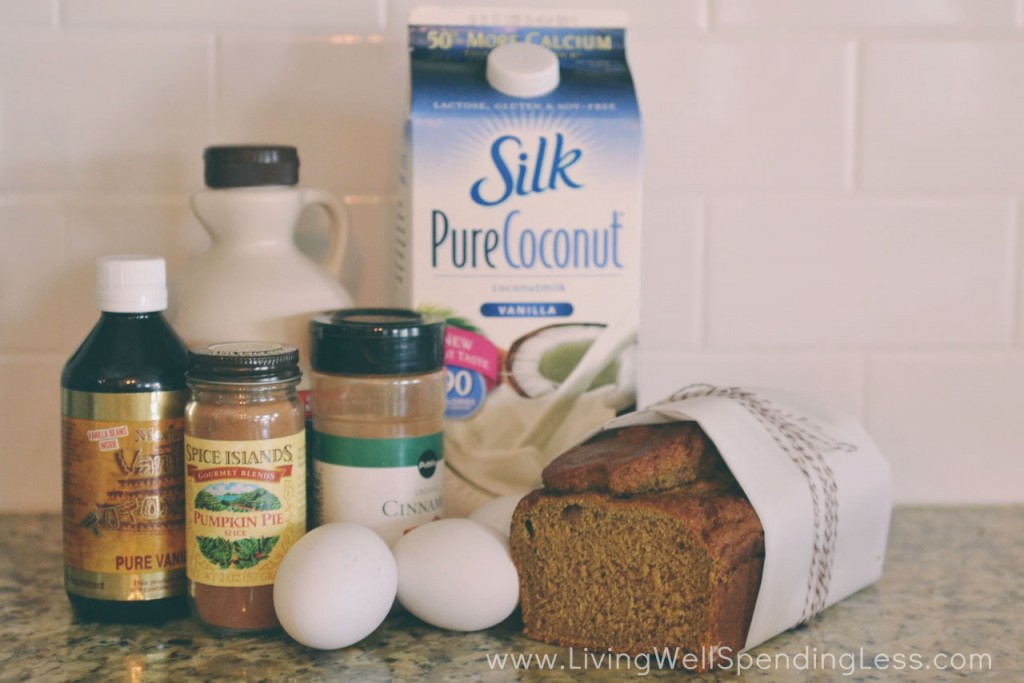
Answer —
(246, 506)
(124, 506)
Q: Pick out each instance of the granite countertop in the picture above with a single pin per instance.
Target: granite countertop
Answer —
(953, 585)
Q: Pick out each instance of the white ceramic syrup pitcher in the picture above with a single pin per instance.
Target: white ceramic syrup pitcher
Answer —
(253, 283)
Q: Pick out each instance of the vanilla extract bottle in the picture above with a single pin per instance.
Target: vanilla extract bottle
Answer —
(123, 398)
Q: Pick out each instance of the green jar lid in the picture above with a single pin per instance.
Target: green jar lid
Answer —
(376, 341)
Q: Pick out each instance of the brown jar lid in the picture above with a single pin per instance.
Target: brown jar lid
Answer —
(257, 362)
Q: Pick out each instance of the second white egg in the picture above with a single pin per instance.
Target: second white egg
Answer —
(497, 513)
(456, 574)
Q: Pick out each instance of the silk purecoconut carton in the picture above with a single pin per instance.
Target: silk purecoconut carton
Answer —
(519, 224)
(817, 481)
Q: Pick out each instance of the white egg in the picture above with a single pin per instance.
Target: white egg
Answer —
(497, 513)
(456, 574)
(335, 586)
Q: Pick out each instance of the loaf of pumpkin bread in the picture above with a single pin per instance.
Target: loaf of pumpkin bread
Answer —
(640, 540)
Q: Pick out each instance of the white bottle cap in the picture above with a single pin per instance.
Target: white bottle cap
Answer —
(522, 69)
(131, 283)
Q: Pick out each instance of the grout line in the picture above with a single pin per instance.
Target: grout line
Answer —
(846, 353)
(896, 194)
(98, 197)
(851, 105)
(701, 316)
(704, 16)
(919, 348)
(756, 32)
(65, 257)
(213, 61)
(30, 197)
(1015, 258)
(12, 355)
(865, 377)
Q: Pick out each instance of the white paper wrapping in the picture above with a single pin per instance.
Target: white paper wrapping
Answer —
(818, 483)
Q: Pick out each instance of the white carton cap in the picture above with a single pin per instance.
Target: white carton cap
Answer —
(131, 283)
(522, 69)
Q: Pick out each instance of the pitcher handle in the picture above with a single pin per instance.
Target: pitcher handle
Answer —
(334, 258)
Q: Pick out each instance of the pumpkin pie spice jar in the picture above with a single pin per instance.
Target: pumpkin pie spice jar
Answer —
(245, 480)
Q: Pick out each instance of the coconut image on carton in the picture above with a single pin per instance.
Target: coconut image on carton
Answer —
(519, 224)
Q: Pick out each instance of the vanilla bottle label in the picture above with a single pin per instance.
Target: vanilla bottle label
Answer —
(124, 525)
(389, 485)
(245, 507)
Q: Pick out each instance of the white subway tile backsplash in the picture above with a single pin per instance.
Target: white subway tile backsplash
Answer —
(740, 115)
(32, 261)
(943, 116)
(671, 277)
(101, 112)
(835, 379)
(369, 263)
(350, 16)
(30, 424)
(27, 13)
(33, 148)
(341, 104)
(659, 97)
(858, 14)
(833, 194)
(809, 272)
(162, 226)
(950, 425)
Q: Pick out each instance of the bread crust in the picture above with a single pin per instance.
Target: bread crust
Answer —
(616, 485)
(635, 460)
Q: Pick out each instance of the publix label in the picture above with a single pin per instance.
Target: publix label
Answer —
(388, 485)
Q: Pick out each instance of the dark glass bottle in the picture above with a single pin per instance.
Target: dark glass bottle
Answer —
(123, 395)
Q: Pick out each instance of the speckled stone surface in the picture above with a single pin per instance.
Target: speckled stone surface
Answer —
(953, 584)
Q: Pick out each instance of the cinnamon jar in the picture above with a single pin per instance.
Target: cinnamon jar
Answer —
(245, 480)
(378, 404)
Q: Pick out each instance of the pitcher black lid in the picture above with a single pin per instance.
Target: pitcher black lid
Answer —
(250, 165)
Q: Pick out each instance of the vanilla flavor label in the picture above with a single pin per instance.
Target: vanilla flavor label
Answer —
(123, 508)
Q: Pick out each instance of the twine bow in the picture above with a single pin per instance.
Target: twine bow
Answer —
(806, 443)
